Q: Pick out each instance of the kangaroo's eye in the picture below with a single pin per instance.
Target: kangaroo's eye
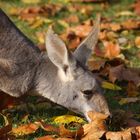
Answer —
(87, 92)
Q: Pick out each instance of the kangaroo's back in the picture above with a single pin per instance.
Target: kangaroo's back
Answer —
(19, 58)
(11, 39)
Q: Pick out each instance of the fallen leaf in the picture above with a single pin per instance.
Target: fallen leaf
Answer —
(130, 24)
(67, 119)
(49, 127)
(120, 135)
(138, 132)
(42, 47)
(125, 13)
(63, 23)
(115, 26)
(81, 30)
(7, 101)
(37, 23)
(31, 1)
(111, 49)
(14, 11)
(121, 73)
(25, 129)
(45, 138)
(132, 90)
(97, 128)
(128, 100)
(132, 123)
(137, 41)
(41, 38)
(69, 133)
(52, 138)
(111, 35)
(72, 19)
(110, 86)
(136, 7)
(95, 65)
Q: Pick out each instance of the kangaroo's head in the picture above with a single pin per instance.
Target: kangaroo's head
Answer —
(80, 89)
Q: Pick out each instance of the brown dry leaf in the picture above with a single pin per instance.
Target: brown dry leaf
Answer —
(111, 50)
(120, 135)
(115, 73)
(72, 39)
(95, 129)
(25, 129)
(105, 26)
(115, 26)
(95, 65)
(81, 30)
(72, 19)
(42, 47)
(130, 24)
(48, 127)
(132, 123)
(132, 90)
(4, 130)
(111, 35)
(103, 35)
(70, 134)
(121, 73)
(74, 43)
(136, 7)
(128, 100)
(138, 132)
(7, 101)
(137, 41)
(62, 131)
(45, 10)
(51, 138)
(45, 138)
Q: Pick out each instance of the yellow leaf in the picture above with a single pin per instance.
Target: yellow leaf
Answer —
(31, 1)
(63, 23)
(68, 119)
(125, 13)
(111, 86)
(128, 100)
(37, 23)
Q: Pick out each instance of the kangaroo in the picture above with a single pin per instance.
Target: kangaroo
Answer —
(60, 75)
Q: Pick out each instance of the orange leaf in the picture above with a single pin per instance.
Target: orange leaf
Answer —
(111, 50)
(45, 138)
(137, 42)
(95, 129)
(25, 129)
(49, 127)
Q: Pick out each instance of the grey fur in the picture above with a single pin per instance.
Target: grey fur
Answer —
(61, 76)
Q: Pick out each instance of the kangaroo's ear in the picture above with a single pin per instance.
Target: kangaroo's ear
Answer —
(84, 50)
(56, 48)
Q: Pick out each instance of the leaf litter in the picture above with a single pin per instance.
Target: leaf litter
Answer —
(112, 66)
